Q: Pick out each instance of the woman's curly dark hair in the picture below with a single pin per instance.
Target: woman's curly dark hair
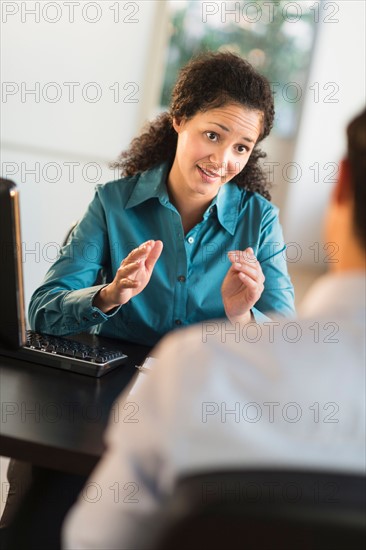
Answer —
(208, 81)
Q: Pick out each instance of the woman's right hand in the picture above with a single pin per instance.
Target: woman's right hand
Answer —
(131, 278)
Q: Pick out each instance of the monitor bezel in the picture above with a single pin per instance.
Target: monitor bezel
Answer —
(13, 323)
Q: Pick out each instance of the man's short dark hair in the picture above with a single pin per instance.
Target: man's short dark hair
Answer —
(356, 136)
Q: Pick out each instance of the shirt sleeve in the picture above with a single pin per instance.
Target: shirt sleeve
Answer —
(135, 473)
(278, 294)
(63, 303)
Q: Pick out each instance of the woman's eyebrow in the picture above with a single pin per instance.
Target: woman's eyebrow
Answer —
(221, 126)
(227, 130)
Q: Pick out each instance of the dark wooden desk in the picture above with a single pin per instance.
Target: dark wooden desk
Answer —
(56, 419)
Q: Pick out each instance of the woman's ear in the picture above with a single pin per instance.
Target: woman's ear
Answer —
(178, 123)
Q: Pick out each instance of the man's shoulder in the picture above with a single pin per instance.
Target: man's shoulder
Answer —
(286, 342)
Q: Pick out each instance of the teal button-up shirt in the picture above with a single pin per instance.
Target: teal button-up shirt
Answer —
(186, 281)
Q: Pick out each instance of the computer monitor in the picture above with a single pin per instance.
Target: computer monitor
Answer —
(12, 318)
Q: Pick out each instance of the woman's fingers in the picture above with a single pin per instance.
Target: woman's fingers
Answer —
(140, 253)
(246, 264)
(136, 268)
(243, 285)
(128, 269)
(249, 272)
(154, 254)
(148, 251)
(131, 277)
(243, 256)
(250, 283)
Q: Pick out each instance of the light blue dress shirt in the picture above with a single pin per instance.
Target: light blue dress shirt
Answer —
(185, 285)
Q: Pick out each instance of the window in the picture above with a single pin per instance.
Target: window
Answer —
(276, 37)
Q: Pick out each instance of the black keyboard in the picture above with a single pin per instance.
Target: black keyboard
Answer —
(69, 354)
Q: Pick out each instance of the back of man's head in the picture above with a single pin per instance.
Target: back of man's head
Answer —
(356, 137)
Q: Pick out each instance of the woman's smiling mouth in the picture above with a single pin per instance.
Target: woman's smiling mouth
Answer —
(206, 175)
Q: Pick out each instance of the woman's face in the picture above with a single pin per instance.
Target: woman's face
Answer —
(213, 147)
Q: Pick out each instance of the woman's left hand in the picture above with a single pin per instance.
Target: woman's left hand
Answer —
(242, 286)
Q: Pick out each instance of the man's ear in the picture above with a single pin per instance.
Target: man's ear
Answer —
(343, 189)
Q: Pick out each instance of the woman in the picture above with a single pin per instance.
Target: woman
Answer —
(188, 233)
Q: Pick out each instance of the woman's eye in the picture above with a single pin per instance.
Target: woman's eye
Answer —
(212, 136)
(242, 149)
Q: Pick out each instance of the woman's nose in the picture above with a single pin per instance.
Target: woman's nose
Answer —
(222, 161)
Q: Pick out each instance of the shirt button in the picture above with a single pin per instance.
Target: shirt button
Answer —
(211, 210)
(190, 240)
(181, 278)
(178, 322)
(95, 315)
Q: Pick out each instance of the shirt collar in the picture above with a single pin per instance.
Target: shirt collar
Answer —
(228, 202)
(152, 184)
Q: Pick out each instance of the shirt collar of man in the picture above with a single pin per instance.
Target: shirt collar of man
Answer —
(152, 184)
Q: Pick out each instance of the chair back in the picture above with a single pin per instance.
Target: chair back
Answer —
(264, 510)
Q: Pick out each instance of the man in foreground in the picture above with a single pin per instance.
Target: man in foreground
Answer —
(283, 394)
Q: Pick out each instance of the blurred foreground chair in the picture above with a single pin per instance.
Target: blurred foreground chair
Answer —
(263, 510)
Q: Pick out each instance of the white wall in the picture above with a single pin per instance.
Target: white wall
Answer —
(115, 51)
(338, 73)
